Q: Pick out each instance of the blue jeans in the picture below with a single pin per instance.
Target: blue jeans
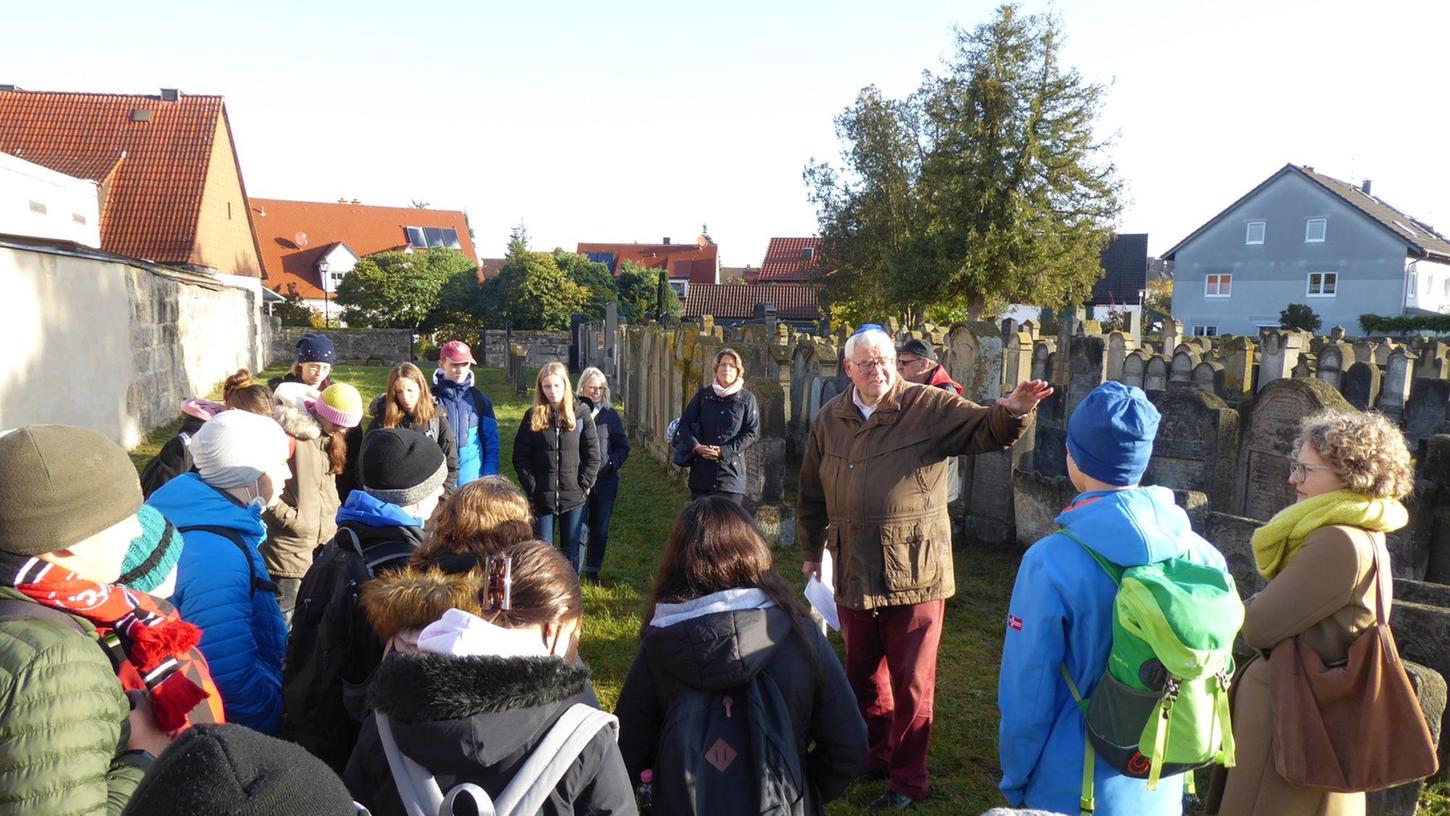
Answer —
(601, 509)
(571, 531)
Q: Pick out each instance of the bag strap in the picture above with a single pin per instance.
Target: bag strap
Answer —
(1380, 615)
(1086, 804)
(1114, 571)
(236, 538)
(417, 789)
(552, 758)
(17, 609)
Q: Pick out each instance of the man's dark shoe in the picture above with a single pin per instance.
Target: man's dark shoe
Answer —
(891, 802)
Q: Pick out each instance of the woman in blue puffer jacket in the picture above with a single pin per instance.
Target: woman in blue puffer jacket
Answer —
(222, 584)
(470, 412)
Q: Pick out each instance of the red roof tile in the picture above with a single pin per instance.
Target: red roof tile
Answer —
(696, 263)
(294, 234)
(488, 268)
(789, 260)
(158, 166)
(734, 301)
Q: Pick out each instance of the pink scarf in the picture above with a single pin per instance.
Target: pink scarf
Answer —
(727, 392)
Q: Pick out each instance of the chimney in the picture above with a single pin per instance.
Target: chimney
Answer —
(170, 95)
(1309, 168)
(9, 87)
(667, 240)
(1364, 188)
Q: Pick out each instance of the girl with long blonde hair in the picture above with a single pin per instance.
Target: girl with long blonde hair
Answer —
(557, 457)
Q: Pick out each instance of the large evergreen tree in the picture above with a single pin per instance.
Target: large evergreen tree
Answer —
(398, 290)
(985, 186)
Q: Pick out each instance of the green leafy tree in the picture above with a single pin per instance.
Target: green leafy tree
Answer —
(640, 294)
(398, 290)
(1299, 316)
(985, 187)
(530, 290)
(293, 310)
(593, 276)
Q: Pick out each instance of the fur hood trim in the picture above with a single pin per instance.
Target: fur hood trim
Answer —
(428, 688)
(412, 598)
(297, 423)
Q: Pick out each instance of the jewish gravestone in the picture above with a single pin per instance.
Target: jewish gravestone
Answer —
(1194, 449)
(1208, 375)
(1364, 350)
(1334, 360)
(1134, 367)
(1042, 360)
(1180, 371)
(1262, 485)
(1395, 386)
(1304, 369)
(1087, 368)
(1362, 385)
(1281, 350)
(1049, 456)
(1155, 374)
(1427, 409)
(1239, 356)
(1119, 344)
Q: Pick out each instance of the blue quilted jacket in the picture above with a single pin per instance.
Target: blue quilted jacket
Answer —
(243, 634)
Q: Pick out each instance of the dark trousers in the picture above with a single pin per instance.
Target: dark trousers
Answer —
(287, 589)
(891, 666)
(738, 498)
(601, 509)
(570, 524)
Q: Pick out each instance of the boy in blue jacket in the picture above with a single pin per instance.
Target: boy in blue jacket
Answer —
(470, 412)
(1062, 606)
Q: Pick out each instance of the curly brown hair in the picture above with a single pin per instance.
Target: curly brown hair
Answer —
(1368, 453)
(480, 519)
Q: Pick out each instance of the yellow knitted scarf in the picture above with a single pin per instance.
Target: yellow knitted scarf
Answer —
(1277, 541)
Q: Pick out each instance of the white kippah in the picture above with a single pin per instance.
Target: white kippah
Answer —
(234, 448)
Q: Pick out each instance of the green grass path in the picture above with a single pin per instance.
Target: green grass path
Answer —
(963, 762)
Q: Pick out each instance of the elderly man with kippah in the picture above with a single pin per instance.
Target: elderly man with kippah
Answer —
(873, 491)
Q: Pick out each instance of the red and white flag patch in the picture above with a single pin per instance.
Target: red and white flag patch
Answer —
(1014, 623)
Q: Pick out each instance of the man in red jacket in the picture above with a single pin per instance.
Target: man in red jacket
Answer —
(916, 362)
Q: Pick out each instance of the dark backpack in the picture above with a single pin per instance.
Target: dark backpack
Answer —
(730, 751)
(171, 461)
(332, 650)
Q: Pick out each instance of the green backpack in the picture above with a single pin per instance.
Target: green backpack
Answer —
(1161, 706)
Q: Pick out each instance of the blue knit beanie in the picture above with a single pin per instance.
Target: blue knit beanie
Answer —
(315, 348)
(153, 554)
(1110, 433)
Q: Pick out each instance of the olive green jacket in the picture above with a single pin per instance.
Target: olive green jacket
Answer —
(63, 723)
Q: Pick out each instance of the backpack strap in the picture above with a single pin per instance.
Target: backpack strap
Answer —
(417, 788)
(1086, 804)
(552, 758)
(1114, 571)
(385, 553)
(236, 538)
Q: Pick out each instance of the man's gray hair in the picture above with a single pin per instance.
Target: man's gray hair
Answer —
(871, 338)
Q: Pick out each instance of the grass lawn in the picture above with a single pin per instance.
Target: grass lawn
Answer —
(963, 763)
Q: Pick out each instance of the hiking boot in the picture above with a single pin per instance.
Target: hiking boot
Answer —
(890, 802)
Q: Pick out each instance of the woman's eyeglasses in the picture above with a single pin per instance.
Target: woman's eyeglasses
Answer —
(1300, 471)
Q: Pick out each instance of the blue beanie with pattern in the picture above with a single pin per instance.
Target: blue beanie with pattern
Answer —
(1110, 433)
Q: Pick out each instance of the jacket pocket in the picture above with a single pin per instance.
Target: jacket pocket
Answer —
(911, 560)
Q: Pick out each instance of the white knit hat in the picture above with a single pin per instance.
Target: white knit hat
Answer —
(235, 448)
(296, 394)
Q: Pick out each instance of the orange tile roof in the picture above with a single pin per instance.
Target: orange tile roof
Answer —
(695, 262)
(734, 301)
(488, 268)
(294, 234)
(785, 260)
(157, 168)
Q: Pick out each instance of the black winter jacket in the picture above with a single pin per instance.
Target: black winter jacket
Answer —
(731, 422)
(476, 719)
(613, 442)
(172, 460)
(436, 429)
(332, 650)
(726, 649)
(557, 467)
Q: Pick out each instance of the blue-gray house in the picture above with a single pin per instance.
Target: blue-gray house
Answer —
(1303, 237)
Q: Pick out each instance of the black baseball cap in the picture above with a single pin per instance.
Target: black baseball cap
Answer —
(920, 348)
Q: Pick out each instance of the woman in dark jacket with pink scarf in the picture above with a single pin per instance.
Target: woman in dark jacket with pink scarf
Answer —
(721, 421)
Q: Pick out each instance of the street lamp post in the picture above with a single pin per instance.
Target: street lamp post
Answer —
(322, 269)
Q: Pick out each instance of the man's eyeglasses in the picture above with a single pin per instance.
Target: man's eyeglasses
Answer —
(1300, 471)
(874, 363)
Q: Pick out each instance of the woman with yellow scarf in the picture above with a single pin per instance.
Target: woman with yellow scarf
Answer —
(1349, 472)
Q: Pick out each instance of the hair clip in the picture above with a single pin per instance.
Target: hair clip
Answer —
(498, 591)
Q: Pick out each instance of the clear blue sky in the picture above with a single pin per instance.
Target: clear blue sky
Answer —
(629, 121)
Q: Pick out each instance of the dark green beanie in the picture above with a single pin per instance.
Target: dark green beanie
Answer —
(61, 485)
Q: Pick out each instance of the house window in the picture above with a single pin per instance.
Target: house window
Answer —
(1414, 278)
(1217, 285)
(1255, 232)
(1314, 230)
(416, 238)
(1205, 331)
(1323, 284)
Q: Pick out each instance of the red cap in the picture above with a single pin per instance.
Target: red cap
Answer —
(456, 351)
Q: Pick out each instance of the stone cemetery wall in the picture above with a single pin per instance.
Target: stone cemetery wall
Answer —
(366, 346)
(542, 347)
(116, 346)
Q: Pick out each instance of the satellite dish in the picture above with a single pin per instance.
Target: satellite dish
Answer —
(300, 239)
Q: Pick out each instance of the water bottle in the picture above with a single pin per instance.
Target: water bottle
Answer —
(645, 795)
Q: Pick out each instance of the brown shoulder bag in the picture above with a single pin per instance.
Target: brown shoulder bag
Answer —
(1351, 727)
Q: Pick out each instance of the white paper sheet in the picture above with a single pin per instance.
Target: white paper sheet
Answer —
(821, 596)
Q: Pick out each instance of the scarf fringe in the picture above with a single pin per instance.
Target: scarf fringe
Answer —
(152, 645)
(173, 699)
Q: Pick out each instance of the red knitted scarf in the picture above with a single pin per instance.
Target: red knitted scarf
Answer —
(157, 642)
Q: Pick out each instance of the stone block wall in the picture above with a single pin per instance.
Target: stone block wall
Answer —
(368, 346)
(543, 347)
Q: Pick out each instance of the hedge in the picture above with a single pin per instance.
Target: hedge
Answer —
(1403, 324)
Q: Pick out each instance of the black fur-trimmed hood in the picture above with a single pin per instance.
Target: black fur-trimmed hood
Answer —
(449, 713)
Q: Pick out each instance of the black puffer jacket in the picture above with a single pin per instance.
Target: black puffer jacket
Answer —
(557, 466)
(436, 429)
(726, 649)
(731, 422)
(477, 719)
(613, 442)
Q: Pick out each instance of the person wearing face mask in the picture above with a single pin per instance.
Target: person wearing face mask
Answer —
(557, 457)
(721, 421)
(333, 652)
(222, 583)
(69, 740)
(499, 668)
